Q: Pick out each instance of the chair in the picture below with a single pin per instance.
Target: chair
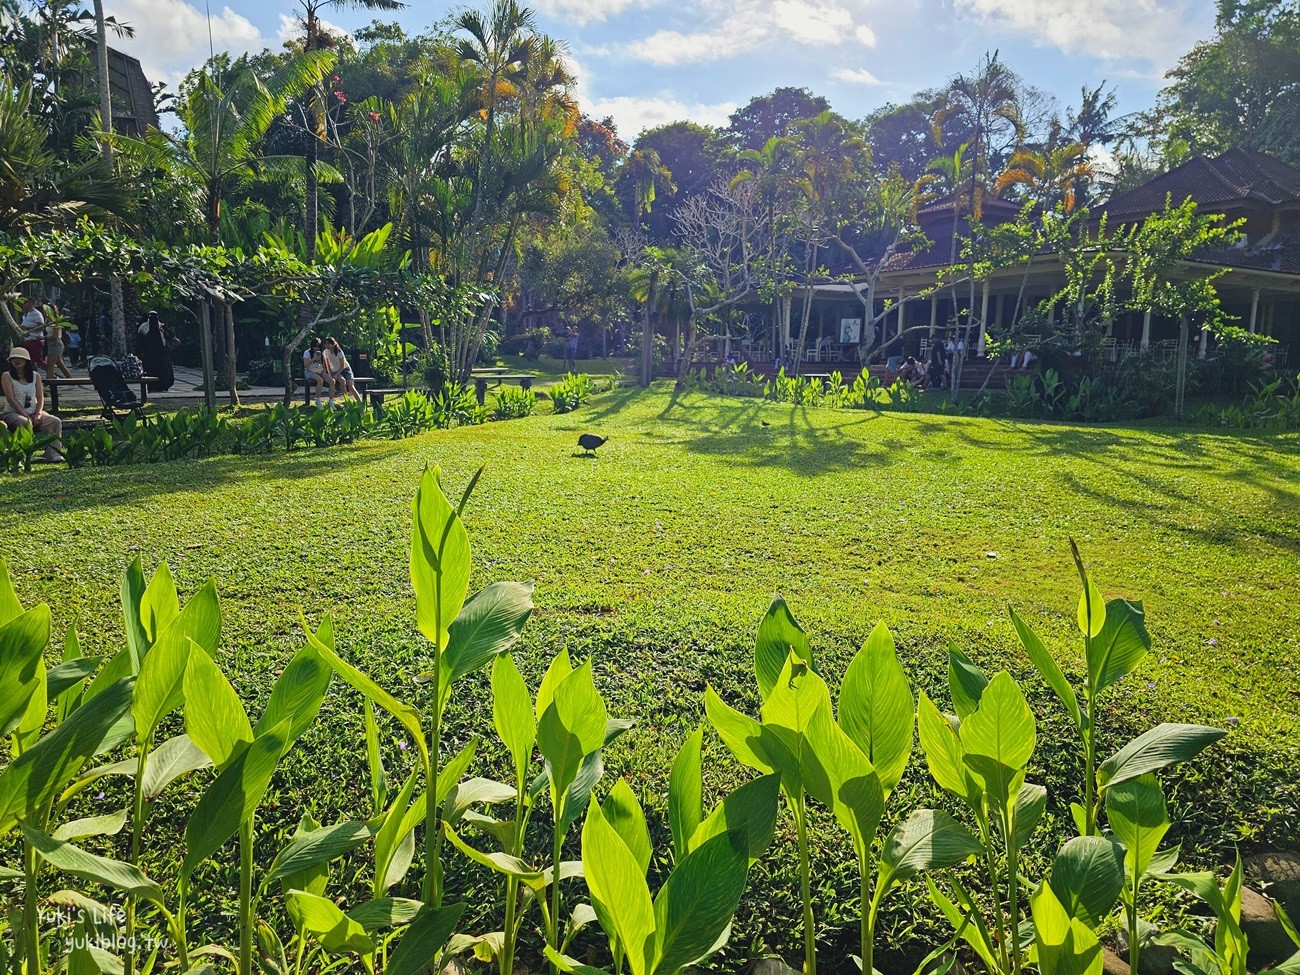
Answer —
(115, 395)
(1108, 349)
(925, 349)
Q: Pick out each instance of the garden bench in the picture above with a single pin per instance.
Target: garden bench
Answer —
(54, 384)
(376, 396)
(524, 379)
(309, 386)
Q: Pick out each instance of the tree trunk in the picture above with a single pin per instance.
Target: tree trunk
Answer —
(807, 310)
(231, 377)
(647, 332)
(1180, 384)
(205, 350)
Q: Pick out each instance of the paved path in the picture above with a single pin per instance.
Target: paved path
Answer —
(187, 391)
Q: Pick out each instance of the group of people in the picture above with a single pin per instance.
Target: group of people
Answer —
(326, 366)
(48, 337)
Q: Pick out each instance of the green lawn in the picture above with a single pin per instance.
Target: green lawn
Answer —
(660, 556)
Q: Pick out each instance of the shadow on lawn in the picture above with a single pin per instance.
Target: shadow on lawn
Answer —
(754, 434)
(63, 491)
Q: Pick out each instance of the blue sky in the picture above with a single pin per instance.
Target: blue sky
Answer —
(652, 61)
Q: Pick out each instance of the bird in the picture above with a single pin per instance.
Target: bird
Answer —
(765, 423)
(589, 442)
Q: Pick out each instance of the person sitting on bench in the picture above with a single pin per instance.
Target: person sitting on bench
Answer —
(24, 401)
(315, 371)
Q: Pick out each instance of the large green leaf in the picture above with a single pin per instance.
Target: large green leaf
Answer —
(9, 604)
(876, 709)
(407, 716)
(385, 912)
(309, 850)
(1047, 666)
(798, 698)
(132, 591)
(928, 839)
(694, 908)
(503, 863)
(424, 939)
(398, 822)
(233, 797)
(1065, 945)
(618, 889)
(72, 671)
(751, 808)
(856, 796)
(109, 824)
(966, 682)
(559, 668)
(1163, 745)
(512, 711)
(1121, 644)
(440, 560)
(943, 752)
(572, 728)
(37, 775)
(1092, 607)
(1031, 803)
(473, 792)
(214, 716)
(623, 813)
(490, 623)
(1087, 877)
(71, 859)
(160, 603)
(297, 695)
(779, 636)
(22, 668)
(169, 761)
(739, 732)
(1139, 819)
(335, 931)
(199, 620)
(686, 793)
(998, 739)
(159, 688)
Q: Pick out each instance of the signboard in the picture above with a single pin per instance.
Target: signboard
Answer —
(850, 330)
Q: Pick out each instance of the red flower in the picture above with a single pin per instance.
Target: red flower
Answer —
(335, 79)
(374, 116)
(341, 96)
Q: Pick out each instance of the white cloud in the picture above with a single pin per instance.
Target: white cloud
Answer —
(856, 76)
(635, 113)
(1155, 31)
(740, 27)
(171, 36)
(582, 12)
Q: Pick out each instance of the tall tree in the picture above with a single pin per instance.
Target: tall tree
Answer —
(772, 115)
(316, 38)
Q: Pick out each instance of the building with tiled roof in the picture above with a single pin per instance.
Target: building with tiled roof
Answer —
(1260, 286)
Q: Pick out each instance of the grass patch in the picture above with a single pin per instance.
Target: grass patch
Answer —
(660, 556)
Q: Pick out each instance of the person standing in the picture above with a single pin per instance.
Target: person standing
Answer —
(24, 401)
(54, 344)
(571, 349)
(33, 324)
(151, 344)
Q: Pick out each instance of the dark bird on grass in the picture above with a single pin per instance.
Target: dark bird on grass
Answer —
(765, 423)
(589, 442)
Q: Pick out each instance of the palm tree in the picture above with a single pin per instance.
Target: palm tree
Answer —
(1051, 176)
(645, 173)
(500, 46)
(981, 103)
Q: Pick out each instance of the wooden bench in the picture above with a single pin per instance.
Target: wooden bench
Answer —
(54, 384)
(309, 385)
(524, 379)
(376, 395)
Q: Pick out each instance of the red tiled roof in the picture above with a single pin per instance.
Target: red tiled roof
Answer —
(1239, 176)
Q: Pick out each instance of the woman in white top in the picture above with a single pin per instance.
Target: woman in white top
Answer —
(314, 370)
(24, 401)
(340, 373)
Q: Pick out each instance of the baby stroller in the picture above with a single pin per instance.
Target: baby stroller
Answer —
(118, 398)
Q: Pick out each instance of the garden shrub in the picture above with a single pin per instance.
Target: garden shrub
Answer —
(161, 715)
(571, 392)
(512, 403)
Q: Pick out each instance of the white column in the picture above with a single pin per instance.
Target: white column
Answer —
(934, 314)
(1205, 339)
(901, 299)
(1254, 310)
(984, 317)
(1146, 329)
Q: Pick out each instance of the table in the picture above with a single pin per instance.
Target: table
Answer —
(54, 384)
(524, 379)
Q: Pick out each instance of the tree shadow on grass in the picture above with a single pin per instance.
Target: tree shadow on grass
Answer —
(734, 431)
(140, 485)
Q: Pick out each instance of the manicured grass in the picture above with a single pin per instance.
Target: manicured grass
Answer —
(659, 557)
